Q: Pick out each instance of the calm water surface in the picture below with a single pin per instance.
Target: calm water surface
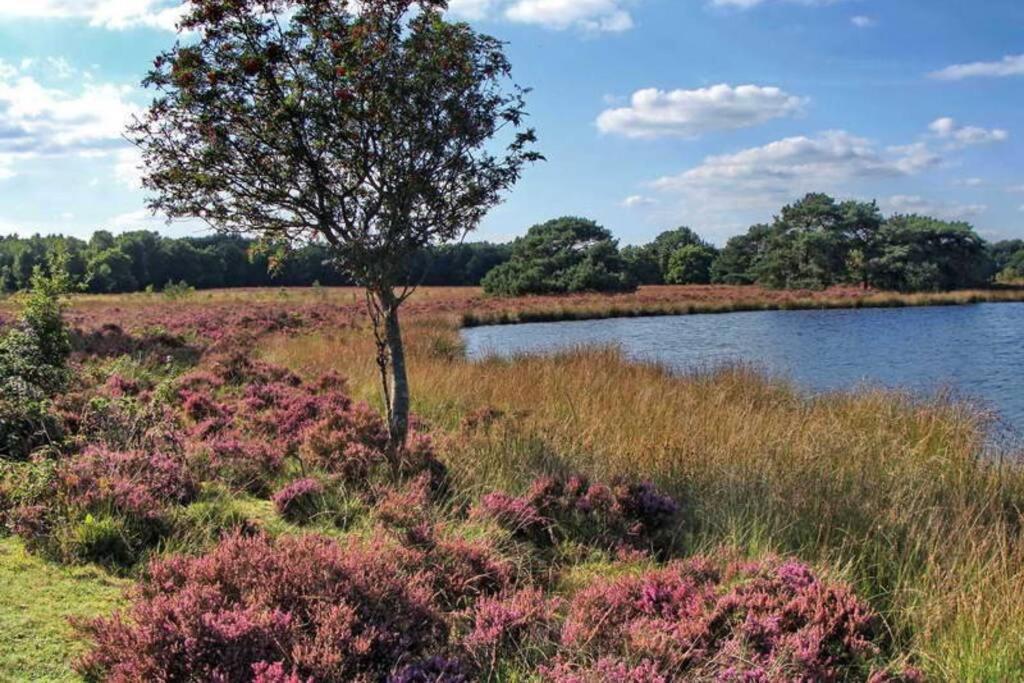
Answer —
(976, 352)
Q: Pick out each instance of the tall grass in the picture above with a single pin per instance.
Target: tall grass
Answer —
(896, 495)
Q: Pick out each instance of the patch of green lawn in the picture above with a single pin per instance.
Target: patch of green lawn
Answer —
(36, 600)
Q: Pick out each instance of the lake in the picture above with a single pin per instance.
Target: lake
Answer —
(976, 352)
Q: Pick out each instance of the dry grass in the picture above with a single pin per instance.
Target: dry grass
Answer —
(896, 495)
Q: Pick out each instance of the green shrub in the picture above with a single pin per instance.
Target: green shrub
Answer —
(33, 364)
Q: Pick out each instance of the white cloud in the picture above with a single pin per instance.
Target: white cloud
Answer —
(128, 168)
(638, 200)
(1010, 65)
(959, 136)
(40, 121)
(915, 204)
(589, 15)
(830, 156)
(862, 21)
(1016, 188)
(111, 14)
(725, 190)
(656, 113)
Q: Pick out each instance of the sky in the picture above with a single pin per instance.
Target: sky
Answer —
(651, 113)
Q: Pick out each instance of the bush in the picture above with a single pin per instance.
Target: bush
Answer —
(333, 612)
(300, 501)
(762, 621)
(136, 484)
(33, 365)
(620, 517)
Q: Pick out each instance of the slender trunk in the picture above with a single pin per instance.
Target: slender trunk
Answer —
(398, 410)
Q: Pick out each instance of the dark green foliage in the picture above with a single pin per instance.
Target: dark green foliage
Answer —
(918, 253)
(690, 265)
(562, 256)
(136, 261)
(1008, 259)
(650, 264)
(33, 363)
(818, 242)
(735, 263)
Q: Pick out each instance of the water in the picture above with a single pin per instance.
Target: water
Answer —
(974, 352)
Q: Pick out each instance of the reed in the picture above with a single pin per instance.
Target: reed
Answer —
(902, 497)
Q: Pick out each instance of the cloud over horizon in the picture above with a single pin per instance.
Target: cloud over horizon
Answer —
(654, 113)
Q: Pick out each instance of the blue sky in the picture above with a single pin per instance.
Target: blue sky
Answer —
(652, 113)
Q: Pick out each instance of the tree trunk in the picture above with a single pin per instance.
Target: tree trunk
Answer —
(398, 410)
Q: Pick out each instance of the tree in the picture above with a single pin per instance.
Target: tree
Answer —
(734, 264)
(920, 253)
(367, 128)
(690, 265)
(562, 256)
(110, 272)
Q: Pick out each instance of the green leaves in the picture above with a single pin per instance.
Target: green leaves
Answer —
(562, 256)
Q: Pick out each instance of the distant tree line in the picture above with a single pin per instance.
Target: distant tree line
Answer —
(814, 243)
(135, 261)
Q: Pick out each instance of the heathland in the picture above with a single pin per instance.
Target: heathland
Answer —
(574, 517)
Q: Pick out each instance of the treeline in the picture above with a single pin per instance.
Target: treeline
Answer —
(814, 243)
(136, 261)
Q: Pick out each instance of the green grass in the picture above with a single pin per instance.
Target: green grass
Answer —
(37, 599)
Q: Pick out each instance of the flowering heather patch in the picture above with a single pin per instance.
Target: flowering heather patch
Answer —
(239, 461)
(433, 670)
(300, 501)
(464, 571)
(749, 622)
(138, 484)
(334, 612)
(503, 625)
(623, 515)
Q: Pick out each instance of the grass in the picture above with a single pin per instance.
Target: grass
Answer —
(901, 497)
(37, 599)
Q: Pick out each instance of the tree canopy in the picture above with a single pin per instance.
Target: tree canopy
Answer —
(366, 127)
(562, 256)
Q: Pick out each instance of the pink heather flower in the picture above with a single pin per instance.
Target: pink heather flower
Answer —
(300, 500)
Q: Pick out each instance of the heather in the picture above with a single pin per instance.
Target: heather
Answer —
(568, 518)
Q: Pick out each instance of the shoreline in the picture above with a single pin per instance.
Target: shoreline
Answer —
(473, 319)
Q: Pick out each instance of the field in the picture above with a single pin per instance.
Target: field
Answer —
(898, 499)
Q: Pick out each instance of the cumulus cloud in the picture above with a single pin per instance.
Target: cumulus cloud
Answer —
(656, 113)
(111, 14)
(862, 21)
(588, 15)
(37, 121)
(725, 191)
(915, 204)
(1010, 65)
(792, 162)
(959, 136)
